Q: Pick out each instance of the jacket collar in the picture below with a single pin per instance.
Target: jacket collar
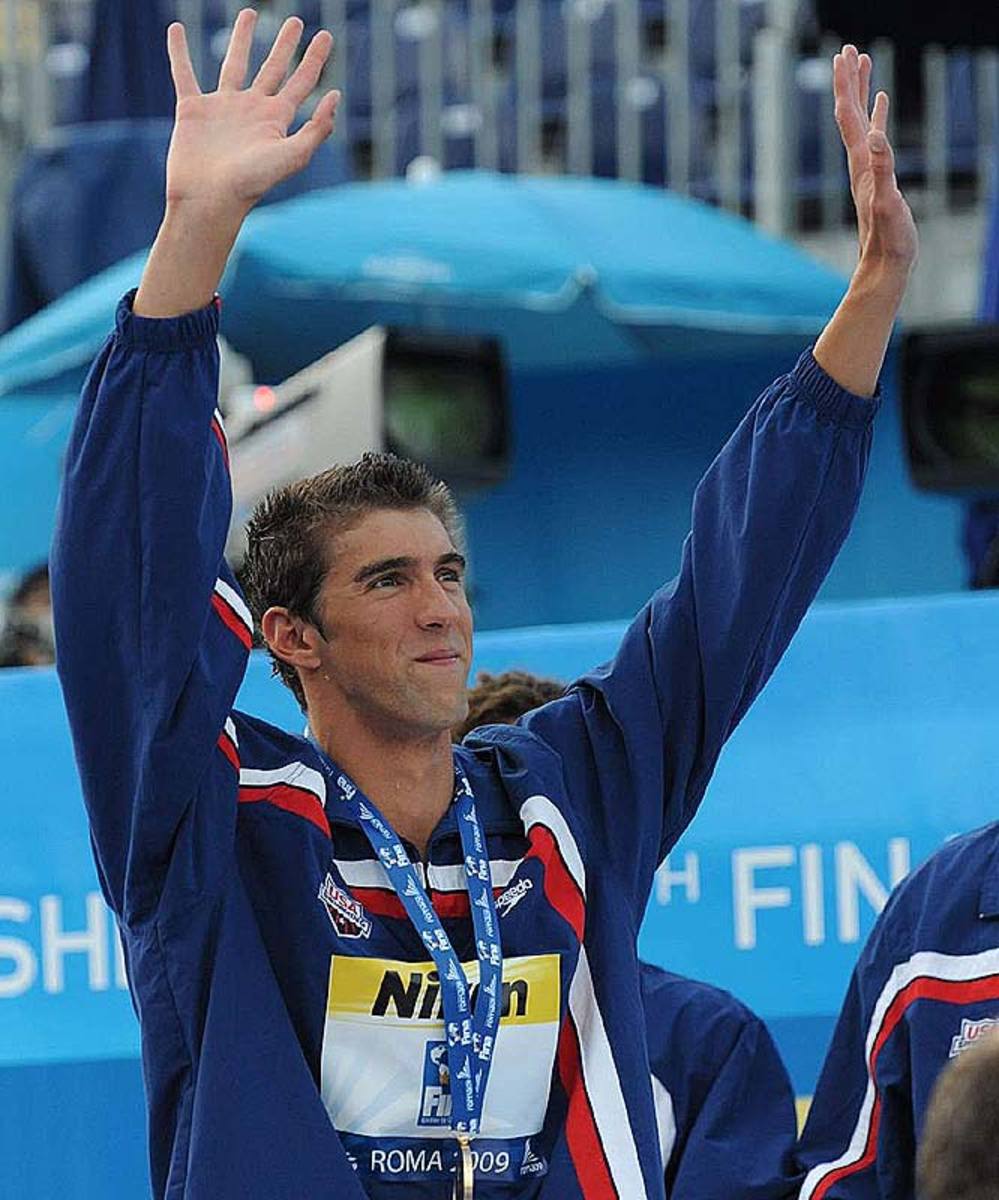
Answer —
(496, 812)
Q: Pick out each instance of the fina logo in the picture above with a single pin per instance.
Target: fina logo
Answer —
(435, 1099)
(435, 939)
(476, 868)
(349, 791)
(489, 953)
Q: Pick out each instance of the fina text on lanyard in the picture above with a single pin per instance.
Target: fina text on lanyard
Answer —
(470, 1035)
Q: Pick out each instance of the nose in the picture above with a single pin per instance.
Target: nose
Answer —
(436, 605)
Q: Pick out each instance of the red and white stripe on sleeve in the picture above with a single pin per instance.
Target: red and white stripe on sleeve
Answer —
(927, 975)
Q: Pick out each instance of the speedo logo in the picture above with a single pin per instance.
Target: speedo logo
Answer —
(417, 996)
(513, 896)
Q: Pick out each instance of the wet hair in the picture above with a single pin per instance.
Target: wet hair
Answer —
(502, 699)
(958, 1157)
(291, 532)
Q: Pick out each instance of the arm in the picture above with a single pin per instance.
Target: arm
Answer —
(740, 1137)
(768, 518)
(859, 1140)
(152, 632)
(724, 1104)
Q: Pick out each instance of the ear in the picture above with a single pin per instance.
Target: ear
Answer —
(292, 639)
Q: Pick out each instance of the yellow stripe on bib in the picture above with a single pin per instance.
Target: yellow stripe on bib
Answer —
(391, 992)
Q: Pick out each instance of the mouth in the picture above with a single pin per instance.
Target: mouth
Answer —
(440, 658)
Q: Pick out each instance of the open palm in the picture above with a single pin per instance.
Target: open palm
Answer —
(231, 145)
(885, 226)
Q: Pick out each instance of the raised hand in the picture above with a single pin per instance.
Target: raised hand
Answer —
(852, 346)
(231, 145)
(228, 148)
(888, 238)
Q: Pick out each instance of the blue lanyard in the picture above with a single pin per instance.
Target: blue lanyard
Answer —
(470, 1035)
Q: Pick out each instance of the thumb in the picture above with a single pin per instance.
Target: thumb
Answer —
(882, 160)
(877, 143)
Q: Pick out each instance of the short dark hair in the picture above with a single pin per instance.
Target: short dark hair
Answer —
(289, 533)
(502, 699)
(958, 1155)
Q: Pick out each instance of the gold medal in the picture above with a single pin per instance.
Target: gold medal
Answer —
(464, 1179)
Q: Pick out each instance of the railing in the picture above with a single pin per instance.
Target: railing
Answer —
(715, 98)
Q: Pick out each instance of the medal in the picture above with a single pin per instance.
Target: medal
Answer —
(464, 1179)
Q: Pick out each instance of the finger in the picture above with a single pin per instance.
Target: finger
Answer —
(306, 75)
(851, 120)
(272, 72)
(882, 162)
(233, 70)
(879, 118)
(185, 81)
(315, 131)
(865, 82)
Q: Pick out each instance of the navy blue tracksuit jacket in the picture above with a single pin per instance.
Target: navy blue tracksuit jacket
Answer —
(288, 1011)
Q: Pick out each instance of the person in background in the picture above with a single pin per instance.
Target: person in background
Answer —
(724, 1103)
(502, 699)
(959, 1150)
(26, 638)
(925, 989)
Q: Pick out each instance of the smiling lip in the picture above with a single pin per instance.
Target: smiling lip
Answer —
(440, 657)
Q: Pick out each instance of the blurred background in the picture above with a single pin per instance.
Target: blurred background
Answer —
(554, 249)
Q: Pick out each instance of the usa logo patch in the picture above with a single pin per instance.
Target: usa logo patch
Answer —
(346, 913)
(970, 1033)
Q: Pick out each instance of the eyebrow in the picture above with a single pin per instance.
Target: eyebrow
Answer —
(404, 562)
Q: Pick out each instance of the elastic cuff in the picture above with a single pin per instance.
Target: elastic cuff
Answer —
(833, 403)
(164, 334)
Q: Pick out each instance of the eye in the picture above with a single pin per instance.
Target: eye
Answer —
(383, 582)
(450, 575)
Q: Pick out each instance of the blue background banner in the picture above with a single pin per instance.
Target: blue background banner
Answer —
(875, 741)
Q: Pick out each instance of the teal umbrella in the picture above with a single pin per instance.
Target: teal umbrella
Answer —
(567, 272)
(62, 339)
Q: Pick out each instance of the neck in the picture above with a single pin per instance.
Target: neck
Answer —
(410, 779)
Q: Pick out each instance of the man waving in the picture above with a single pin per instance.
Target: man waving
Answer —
(366, 963)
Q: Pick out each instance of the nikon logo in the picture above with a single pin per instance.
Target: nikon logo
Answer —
(418, 996)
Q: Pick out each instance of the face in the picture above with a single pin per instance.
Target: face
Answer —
(397, 623)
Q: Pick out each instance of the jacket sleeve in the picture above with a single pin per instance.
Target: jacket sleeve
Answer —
(859, 1140)
(768, 518)
(739, 1137)
(152, 633)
